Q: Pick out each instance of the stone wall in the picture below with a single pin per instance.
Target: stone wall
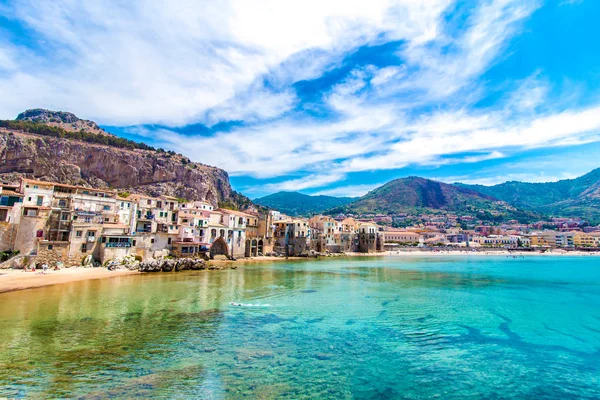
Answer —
(8, 233)
(53, 252)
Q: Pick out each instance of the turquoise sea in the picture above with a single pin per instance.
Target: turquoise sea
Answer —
(365, 328)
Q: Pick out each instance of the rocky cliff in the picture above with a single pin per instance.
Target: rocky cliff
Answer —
(61, 119)
(137, 171)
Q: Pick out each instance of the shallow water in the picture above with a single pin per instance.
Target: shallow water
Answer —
(456, 327)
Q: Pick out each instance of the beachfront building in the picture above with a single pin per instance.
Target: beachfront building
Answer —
(292, 236)
(10, 215)
(402, 237)
(369, 238)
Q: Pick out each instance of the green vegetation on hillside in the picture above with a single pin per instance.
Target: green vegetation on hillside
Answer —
(579, 197)
(89, 137)
(415, 195)
(298, 204)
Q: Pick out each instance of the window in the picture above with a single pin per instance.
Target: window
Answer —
(40, 200)
(169, 240)
(106, 208)
(152, 240)
(106, 219)
(149, 202)
(159, 204)
(84, 248)
(50, 247)
(91, 234)
(39, 233)
(29, 199)
(36, 187)
(62, 203)
(64, 217)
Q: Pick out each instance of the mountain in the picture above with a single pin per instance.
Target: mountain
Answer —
(579, 197)
(414, 194)
(61, 119)
(42, 149)
(298, 204)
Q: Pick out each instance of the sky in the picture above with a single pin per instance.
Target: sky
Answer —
(330, 97)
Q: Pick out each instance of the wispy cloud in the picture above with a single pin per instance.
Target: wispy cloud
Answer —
(419, 99)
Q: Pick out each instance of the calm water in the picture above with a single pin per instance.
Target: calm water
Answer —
(353, 328)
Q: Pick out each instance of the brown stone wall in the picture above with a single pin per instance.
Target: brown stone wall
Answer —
(8, 233)
(58, 252)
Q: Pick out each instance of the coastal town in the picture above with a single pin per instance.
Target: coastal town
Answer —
(54, 223)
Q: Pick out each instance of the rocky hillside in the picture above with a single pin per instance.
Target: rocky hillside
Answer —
(414, 194)
(62, 158)
(61, 119)
(298, 204)
(579, 197)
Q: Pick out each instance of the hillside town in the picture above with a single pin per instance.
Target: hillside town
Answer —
(75, 225)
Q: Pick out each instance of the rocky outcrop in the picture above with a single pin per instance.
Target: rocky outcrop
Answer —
(100, 166)
(65, 120)
(171, 264)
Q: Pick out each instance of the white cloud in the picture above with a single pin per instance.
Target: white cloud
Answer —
(125, 63)
(208, 62)
(307, 182)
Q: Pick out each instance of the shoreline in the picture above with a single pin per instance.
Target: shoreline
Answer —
(15, 279)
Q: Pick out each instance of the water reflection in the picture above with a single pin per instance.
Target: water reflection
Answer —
(345, 328)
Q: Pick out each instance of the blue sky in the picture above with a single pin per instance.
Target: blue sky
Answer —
(324, 97)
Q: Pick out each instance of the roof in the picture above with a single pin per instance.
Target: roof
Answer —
(201, 215)
(10, 193)
(226, 211)
(35, 181)
(405, 233)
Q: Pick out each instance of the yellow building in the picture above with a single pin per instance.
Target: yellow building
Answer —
(582, 239)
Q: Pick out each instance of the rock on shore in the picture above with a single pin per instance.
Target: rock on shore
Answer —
(172, 264)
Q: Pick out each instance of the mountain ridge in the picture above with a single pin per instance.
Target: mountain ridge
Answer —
(61, 119)
(416, 194)
(577, 197)
(300, 204)
(35, 149)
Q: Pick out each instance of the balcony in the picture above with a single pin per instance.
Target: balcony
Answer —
(118, 244)
(91, 239)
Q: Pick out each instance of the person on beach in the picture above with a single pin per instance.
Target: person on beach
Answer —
(44, 268)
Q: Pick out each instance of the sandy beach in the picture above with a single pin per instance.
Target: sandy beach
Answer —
(16, 279)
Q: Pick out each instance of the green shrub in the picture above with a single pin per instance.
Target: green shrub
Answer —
(45, 130)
